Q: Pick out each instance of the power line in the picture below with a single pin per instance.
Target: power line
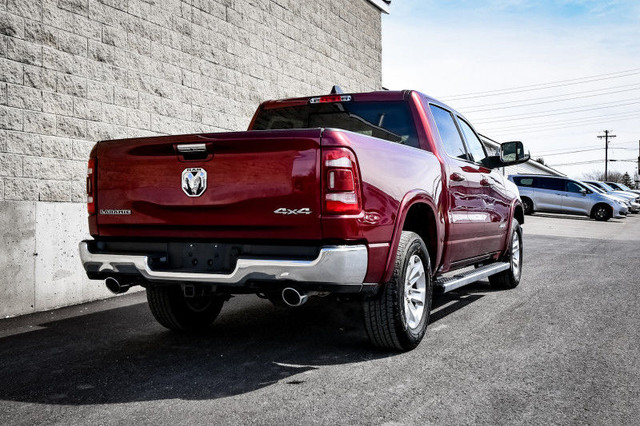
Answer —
(541, 86)
(562, 111)
(571, 121)
(581, 150)
(625, 86)
(546, 129)
(590, 146)
(591, 162)
(552, 101)
(575, 120)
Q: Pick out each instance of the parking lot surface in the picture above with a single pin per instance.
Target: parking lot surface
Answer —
(563, 347)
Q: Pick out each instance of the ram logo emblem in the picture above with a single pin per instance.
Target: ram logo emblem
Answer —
(194, 181)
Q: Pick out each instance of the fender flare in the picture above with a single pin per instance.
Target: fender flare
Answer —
(512, 217)
(415, 196)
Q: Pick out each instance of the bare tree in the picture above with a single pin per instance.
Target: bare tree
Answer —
(598, 175)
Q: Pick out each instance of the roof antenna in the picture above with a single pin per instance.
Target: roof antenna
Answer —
(336, 90)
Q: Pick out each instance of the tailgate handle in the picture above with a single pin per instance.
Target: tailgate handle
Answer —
(192, 147)
(193, 151)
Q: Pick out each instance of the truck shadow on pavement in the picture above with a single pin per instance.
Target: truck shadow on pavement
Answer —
(121, 355)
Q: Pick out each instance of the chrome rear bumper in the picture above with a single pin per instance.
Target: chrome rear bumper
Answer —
(343, 265)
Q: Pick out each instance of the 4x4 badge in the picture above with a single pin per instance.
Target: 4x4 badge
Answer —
(283, 210)
(194, 181)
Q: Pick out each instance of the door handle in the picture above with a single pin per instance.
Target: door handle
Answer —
(457, 177)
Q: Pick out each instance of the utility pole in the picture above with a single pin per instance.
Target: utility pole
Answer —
(606, 137)
(638, 182)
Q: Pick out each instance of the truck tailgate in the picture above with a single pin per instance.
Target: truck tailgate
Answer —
(259, 184)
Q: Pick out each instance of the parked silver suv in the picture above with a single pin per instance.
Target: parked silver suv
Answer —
(622, 187)
(565, 195)
(634, 200)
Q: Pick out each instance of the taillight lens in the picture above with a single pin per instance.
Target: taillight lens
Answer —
(341, 182)
(91, 186)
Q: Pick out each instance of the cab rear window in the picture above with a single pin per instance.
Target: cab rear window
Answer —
(390, 120)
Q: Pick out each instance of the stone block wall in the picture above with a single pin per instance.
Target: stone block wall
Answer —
(73, 72)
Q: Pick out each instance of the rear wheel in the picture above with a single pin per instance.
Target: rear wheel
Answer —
(510, 278)
(527, 206)
(176, 312)
(397, 317)
(602, 212)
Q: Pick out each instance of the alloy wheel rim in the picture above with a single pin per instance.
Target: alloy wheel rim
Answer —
(515, 254)
(601, 212)
(415, 294)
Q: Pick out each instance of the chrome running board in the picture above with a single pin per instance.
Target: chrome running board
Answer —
(444, 285)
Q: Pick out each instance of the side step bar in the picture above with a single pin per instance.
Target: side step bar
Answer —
(444, 285)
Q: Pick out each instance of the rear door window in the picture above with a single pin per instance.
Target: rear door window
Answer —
(552, 184)
(523, 181)
(449, 133)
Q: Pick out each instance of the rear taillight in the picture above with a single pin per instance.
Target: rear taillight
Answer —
(341, 182)
(91, 186)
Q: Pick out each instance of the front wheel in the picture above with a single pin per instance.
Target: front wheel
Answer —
(397, 317)
(176, 312)
(602, 213)
(510, 278)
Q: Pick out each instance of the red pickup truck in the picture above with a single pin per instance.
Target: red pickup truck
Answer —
(376, 195)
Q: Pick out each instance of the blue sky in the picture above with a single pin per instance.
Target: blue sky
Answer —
(448, 48)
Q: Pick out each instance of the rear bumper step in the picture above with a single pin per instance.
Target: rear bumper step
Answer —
(344, 265)
(445, 285)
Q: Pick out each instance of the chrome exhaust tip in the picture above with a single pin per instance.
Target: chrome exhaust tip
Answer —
(115, 287)
(293, 297)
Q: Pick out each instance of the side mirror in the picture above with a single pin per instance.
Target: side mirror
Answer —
(511, 153)
(583, 191)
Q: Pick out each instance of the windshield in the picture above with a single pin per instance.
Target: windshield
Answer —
(593, 188)
(390, 120)
(624, 187)
(614, 185)
(606, 187)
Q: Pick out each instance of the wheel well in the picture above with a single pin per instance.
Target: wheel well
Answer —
(421, 220)
(518, 214)
(593, 209)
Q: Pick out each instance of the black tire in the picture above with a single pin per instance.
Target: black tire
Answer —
(176, 312)
(602, 212)
(510, 278)
(527, 206)
(392, 319)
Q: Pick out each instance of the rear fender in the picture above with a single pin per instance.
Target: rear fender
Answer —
(411, 198)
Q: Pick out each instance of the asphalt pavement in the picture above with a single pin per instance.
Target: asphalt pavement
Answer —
(562, 348)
